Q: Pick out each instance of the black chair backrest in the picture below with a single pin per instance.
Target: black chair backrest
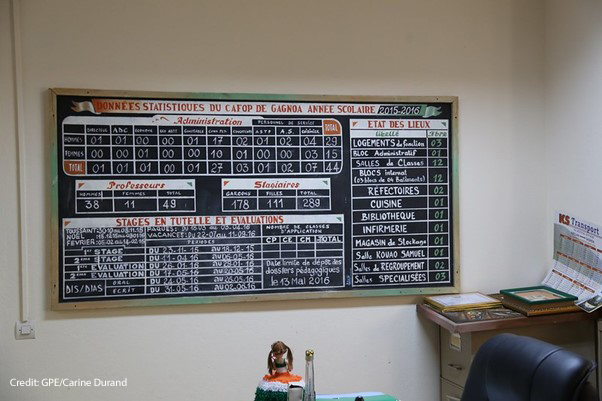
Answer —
(508, 367)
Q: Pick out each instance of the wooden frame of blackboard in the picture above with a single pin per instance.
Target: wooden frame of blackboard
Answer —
(56, 304)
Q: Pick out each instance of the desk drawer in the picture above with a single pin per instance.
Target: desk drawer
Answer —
(456, 356)
(450, 392)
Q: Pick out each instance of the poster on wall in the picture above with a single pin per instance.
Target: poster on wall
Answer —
(175, 198)
(577, 260)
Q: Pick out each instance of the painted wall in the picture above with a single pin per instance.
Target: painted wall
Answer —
(573, 110)
(487, 52)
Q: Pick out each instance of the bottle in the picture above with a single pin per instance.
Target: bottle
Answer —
(310, 391)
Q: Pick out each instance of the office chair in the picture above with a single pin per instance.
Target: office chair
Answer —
(508, 367)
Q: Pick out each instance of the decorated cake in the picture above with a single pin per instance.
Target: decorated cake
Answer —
(274, 386)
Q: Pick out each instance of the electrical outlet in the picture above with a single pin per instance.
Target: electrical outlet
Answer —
(25, 330)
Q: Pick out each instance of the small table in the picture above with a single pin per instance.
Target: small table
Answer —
(503, 324)
(459, 342)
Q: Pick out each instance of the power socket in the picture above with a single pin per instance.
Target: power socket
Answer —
(25, 330)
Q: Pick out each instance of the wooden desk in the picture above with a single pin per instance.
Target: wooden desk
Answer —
(458, 342)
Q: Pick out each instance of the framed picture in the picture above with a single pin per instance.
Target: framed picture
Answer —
(538, 295)
(472, 300)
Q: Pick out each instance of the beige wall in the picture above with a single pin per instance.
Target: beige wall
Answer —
(487, 52)
(573, 110)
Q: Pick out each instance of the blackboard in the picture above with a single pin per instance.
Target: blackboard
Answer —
(175, 198)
